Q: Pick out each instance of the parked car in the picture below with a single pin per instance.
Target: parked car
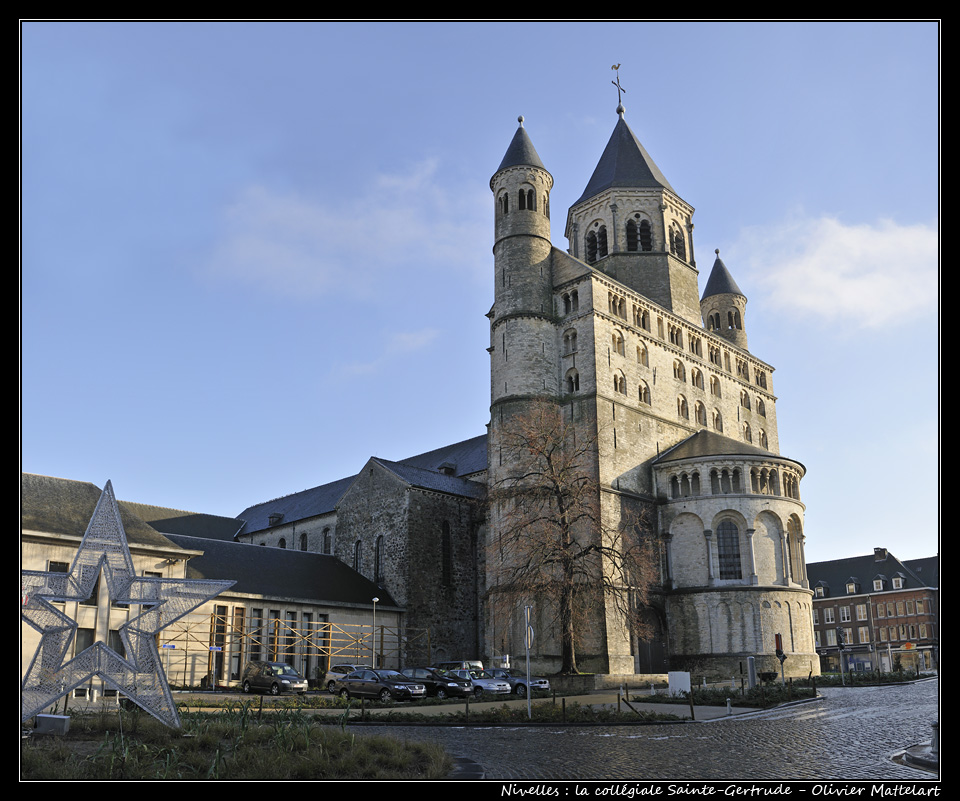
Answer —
(337, 672)
(382, 684)
(273, 678)
(465, 664)
(440, 683)
(484, 682)
(517, 679)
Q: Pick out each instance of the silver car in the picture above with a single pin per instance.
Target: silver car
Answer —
(484, 682)
(518, 680)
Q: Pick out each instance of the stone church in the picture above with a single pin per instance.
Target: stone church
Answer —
(615, 334)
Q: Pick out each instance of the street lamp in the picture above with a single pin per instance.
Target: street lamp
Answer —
(373, 639)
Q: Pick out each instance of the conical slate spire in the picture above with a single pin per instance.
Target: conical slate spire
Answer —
(521, 151)
(720, 281)
(624, 163)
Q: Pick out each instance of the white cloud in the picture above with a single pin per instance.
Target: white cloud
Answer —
(870, 275)
(301, 247)
(396, 344)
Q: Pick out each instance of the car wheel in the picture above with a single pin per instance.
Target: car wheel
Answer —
(385, 695)
(441, 694)
(246, 687)
(345, 694)
(274, 689)
(521, 691)
(331, 687)
(478, 692)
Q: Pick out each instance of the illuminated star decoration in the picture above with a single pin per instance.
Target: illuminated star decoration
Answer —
(139, 674)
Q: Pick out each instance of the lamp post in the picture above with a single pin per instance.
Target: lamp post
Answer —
(373, 639)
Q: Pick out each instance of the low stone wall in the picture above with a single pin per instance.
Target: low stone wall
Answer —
(604, 681)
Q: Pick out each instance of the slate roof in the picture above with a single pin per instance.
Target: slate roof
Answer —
(438, 482)
(721, 282)
(63, 506)
(708, 443)
(834, 575)
(280, 573)
(626, 164)
(521, 152)
(176, 521)
(468, 457)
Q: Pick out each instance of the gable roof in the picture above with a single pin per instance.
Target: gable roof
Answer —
(63, 506)
(468, 457)
(835, 574)
(279, 573)
(177, 521)
(624, 164)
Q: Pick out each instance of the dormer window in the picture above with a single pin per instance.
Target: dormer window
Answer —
(275, 519)
(898, 583)
(818, 591)
(878, 585)
(851, 588)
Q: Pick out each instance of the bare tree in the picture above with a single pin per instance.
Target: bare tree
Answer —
(555, 539)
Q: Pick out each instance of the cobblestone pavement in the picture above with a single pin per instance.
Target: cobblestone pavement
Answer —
(848, 735)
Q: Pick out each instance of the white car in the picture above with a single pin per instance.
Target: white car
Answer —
(484, 682)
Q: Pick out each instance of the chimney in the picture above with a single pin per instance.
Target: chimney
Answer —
(879, 554)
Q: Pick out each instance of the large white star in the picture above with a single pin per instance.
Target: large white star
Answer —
(139, 674)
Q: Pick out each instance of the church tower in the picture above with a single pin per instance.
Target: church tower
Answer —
(613, 336)
(631, 224)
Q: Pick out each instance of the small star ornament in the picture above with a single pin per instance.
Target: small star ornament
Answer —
(138, 674)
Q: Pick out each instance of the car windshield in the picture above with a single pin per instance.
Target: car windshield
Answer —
(285, 670)
(481, 674)
(390, 674)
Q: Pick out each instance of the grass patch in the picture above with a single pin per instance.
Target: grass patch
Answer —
(228, 745)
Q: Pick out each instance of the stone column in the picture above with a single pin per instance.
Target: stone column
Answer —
(708, 538)
(616, 229)
(754, 579)
(668, 551)
(785, 550)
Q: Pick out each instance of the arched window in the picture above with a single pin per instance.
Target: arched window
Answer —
(570, 341)
(700, 412)
(327, 541)
(357, 556)
(678, 245)
(642, 356)
(717, 421)
(744, 400)
(761, 409)
(591, 247)
(715, 387)
(303, 542)
(504, 203)
(573, 381)
(762, 438)
(747, 433)
(618, 343)
(619, 383)
(282, 543)
(644, 393)
(646, 235)
(633, 238)
(602, 242)
(682, 408)
(696, 378)
(378, 560)
(679, 371)
(728, 550)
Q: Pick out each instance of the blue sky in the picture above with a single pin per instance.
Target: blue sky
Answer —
(255, 254)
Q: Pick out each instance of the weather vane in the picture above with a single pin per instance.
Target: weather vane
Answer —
(620, 89)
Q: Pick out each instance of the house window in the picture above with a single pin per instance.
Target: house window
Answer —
(828, 615)
(844, 614)
(831, 637)
(910, 610)
(861, 611)
(816, 616)
(881, 610)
